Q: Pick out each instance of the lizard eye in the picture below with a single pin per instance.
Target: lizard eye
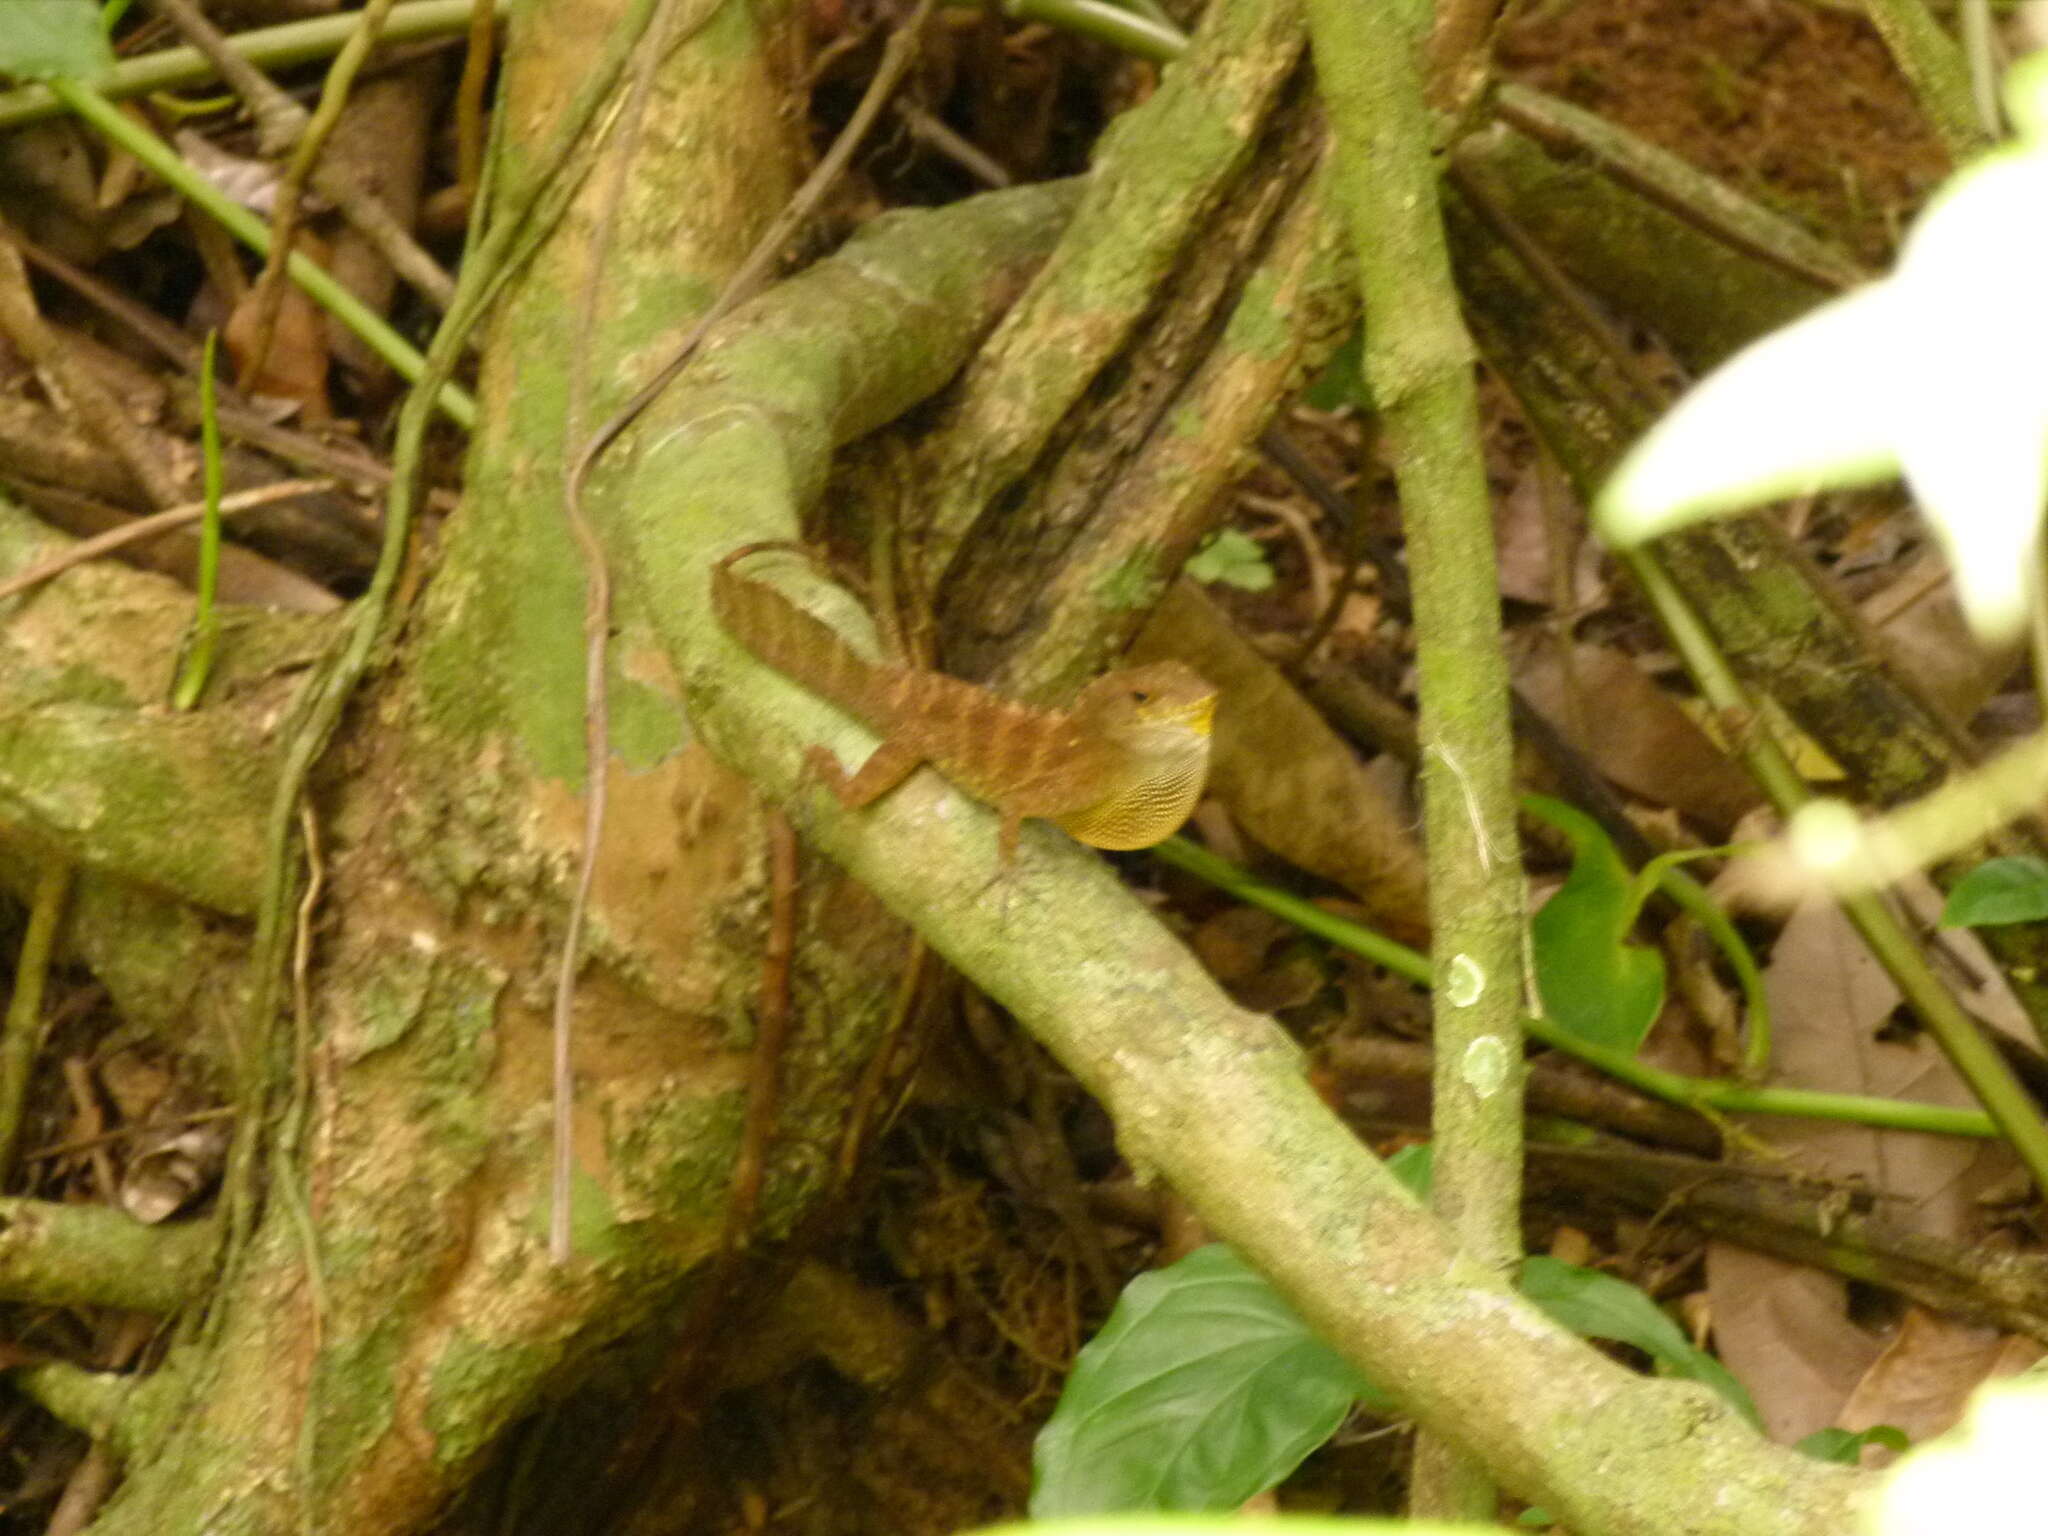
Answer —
(1140, 696)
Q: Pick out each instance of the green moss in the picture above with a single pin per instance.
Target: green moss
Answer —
(595, 1231)
(647, 725)
(390, 1002)
(81, 684)
(678, 1155)
(452, 666)
(465, 1007)
(1258, 326)
(471, 1383)
(355, 1397)
(1133, 584)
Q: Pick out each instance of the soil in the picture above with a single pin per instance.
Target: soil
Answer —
(1795, 104)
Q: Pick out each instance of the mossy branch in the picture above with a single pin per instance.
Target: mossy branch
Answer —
(1420, 363)
(93, 1255)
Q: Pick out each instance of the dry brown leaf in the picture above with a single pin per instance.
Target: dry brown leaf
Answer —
(50, 192)
(1288, 778)
(1259, 958)
(1521, 533)
(1829, 1001)
(1785, 1331)
(1632, 731)
(1923, 1380)
(294, 367)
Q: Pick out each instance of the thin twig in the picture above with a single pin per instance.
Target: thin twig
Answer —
(771, 1037)
(24, 1022)
(145, 528)
(279, 119)
(70, 376)
(469, 100)
(85, 1103)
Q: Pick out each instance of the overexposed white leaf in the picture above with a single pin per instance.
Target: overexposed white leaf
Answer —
(1807, 405)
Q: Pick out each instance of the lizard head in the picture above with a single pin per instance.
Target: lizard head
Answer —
(1163, 705)
(1157, 717)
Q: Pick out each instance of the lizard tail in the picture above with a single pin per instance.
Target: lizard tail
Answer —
(794, 641)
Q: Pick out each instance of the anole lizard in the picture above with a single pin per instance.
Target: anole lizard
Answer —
(1121, 767)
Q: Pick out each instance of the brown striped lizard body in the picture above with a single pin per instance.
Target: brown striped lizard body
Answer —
(1122, 767)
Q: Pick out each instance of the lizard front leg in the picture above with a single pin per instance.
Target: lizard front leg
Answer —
(887, 766)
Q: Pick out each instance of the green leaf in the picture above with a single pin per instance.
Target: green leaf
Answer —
(1233, 558)
(1597, 1306)
(1342, 381)
(1412, 1165)
(1844, 1447)
(1999, 891)
(1202, 1390)
(43, 39)
(1593, 981)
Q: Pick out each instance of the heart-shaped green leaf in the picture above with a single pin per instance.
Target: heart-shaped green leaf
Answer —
(1594, 982)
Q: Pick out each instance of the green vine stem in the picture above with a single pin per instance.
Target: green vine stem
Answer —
(1136, 33)
(280, 47)
(1706, 1094)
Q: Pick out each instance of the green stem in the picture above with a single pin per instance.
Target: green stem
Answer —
(205, 622)
(1151, 10)
(127, 134)
(1934, 66)
(296, 42)
(1718, 1095)
(1419, 364)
